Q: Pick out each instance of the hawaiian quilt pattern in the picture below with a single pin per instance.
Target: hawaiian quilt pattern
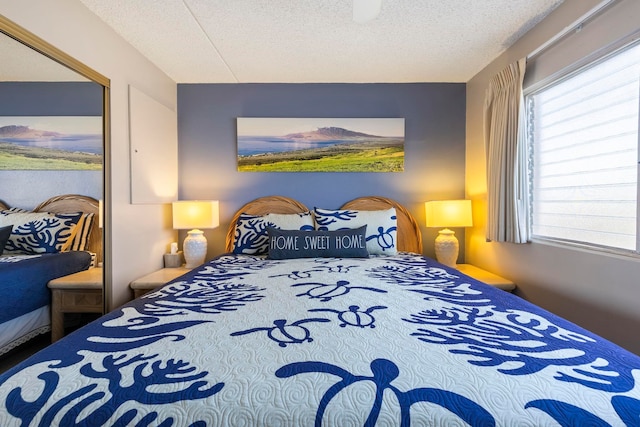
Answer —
(251, 233)
(37, 232)
(381, 226)
(389, 341)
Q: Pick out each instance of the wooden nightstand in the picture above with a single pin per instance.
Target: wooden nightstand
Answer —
(76, 293)
(158, 278)
(486, 277)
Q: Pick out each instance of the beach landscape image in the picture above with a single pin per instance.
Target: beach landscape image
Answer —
(51, 143)
(320, 144)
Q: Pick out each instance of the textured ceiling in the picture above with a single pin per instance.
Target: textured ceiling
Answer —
(296, 41)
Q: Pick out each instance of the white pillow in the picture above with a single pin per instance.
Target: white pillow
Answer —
(381, 226)
(251, 237)
(38, 232)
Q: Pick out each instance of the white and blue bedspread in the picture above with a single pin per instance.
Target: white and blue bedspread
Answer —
(387, 341)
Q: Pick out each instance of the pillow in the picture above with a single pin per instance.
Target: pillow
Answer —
(285, 244)
(251, 236)
(5, 232)
(38, 232)
(381, 226)
(79, 240)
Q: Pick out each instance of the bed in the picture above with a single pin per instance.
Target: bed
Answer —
(60, 236)
(301, 337)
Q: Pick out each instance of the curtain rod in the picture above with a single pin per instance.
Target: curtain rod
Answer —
(575, 26)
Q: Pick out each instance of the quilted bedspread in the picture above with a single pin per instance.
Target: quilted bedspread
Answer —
(388, 341)
(24, 278)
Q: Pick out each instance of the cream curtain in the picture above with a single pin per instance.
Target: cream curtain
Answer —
(506, 149)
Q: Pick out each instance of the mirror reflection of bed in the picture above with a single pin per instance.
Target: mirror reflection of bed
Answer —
(59, 237)
(40, 86)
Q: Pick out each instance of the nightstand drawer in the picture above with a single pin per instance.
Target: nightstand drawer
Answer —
(76, 293)
(78, 301)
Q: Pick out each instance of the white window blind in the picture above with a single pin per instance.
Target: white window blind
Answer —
(584, 141)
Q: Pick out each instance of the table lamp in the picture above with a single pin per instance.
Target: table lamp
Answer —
(448, 213)
(194, 215)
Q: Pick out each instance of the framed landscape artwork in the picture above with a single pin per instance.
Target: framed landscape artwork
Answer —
(320, 145)
(51, 143)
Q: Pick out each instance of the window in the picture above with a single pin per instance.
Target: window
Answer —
(583, 139)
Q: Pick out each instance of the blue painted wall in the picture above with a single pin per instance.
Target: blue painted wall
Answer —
(50, 99)
(434, 116)
(26, 189)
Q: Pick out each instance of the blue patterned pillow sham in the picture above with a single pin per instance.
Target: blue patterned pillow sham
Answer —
(37, 232)
(381, 226)
(287, 244)
(251, 236)
(5, 233)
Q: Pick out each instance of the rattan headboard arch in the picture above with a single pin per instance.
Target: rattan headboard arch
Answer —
(408, 232)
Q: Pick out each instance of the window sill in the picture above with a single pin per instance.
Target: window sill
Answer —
(595, 250)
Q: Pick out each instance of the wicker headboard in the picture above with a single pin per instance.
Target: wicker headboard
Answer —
(409, 235)
(75, 203)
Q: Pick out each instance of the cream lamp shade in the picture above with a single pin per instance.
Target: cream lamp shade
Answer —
(193, 215)
(445, 214)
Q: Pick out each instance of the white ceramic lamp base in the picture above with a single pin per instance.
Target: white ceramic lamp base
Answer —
(195, 248)
(447, 247)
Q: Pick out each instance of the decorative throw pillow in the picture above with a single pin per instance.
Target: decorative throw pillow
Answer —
(79, 241)
(251, 236)
(38, 232)
(381, 226)
(285, 244)
(5, 232)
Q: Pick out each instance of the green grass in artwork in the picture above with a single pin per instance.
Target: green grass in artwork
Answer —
(355, 158)
(13, 157)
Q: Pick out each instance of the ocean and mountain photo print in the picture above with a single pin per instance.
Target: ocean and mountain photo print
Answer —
(51, 143)
(320, 144)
